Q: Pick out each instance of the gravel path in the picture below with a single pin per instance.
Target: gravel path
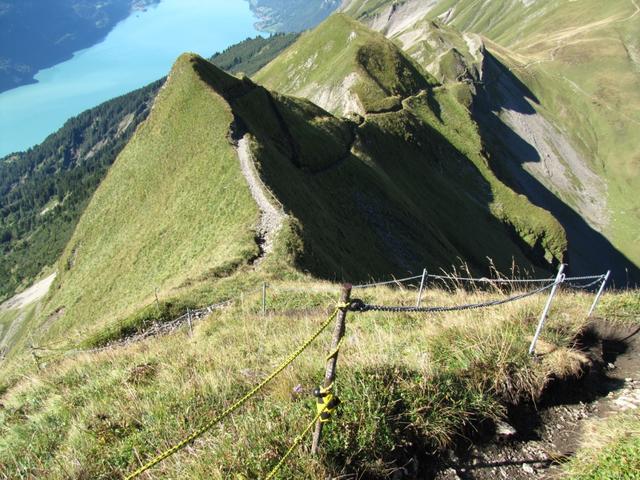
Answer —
(272, 213)
(30, 295)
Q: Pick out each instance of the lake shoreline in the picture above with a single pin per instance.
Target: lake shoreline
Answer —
(152, 39)
(76, 33)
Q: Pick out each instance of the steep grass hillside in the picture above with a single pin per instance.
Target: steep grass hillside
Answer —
(411, 387)
(44, 191)
(174, 214)
(162, 217)
(355, 71)
(404, 119)
(557, 110)
(387, 173)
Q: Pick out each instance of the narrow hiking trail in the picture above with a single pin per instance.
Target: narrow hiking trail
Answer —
(272, 214)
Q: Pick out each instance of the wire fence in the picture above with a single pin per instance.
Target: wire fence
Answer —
(387, 282)
(356, 305)
(359, 306)
(484, 280)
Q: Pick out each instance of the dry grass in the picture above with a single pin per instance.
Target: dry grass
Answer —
(408, 383)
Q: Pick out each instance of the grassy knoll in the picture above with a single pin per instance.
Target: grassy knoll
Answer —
(410, 385)
(352, 57)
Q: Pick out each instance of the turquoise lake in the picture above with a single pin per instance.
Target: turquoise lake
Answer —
(137, 51)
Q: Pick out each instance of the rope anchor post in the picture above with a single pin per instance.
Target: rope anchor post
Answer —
(264, 298)
(424, 277)
(323, 393)
(558, 280)
(605, 279)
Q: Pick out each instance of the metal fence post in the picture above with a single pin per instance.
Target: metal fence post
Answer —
(424, 277)
(559, 279)
(332, 360)
(189, 321)
(264, 298)
(599, 294)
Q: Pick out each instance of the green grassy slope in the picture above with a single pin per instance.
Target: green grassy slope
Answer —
(175, 213)
(425, 134)
(347, 46)
(44, 191)
(163, 215)
(581, 60)
(610, 450)
(578, 61)
(410, 387)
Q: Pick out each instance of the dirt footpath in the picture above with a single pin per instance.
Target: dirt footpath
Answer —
(536, 441)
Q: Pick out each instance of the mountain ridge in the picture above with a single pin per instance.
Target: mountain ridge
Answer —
(243, 200)
(34, 240)
(283, 133)
(555, 126)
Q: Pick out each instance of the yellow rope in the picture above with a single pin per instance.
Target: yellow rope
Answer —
(295, 444)
(335, 350)
(167, 453)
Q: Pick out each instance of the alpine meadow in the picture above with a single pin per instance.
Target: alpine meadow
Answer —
(402, 243)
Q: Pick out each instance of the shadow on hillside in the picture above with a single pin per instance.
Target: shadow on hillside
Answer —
(413, 199)
(589, 251)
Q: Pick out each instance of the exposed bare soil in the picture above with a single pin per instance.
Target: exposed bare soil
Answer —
(537, 439)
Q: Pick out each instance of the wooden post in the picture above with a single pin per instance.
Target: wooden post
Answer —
(264, 298)
(599, 294)
(559, 279)
(330, 371)
(424, 277)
